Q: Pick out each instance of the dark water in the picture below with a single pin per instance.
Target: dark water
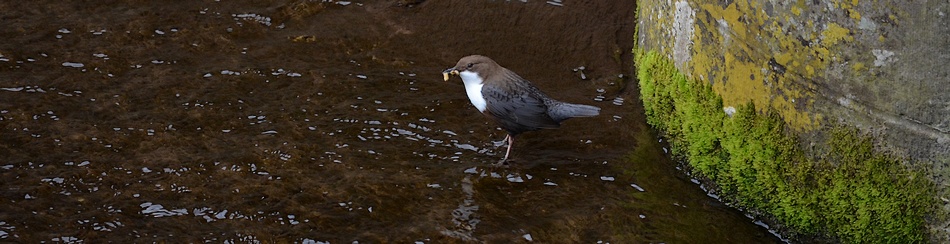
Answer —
(313, 121)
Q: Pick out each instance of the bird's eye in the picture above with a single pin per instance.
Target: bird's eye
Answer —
(471, 64)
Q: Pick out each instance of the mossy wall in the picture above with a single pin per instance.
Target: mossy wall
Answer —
(851, 192)
(847, 101)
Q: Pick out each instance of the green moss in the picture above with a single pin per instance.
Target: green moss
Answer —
(851, 192)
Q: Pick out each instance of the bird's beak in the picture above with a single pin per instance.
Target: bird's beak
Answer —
(447, 72)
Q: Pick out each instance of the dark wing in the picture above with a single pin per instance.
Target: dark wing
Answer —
(517, 110)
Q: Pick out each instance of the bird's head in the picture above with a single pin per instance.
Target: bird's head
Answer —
(470, 66)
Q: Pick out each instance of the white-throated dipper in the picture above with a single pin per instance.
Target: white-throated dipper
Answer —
(511, 101)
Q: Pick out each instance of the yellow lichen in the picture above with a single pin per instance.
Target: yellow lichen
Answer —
(747, 57)
(858, 67)
(834, 33)
(741, 71)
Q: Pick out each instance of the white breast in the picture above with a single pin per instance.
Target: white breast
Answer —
(473, 87)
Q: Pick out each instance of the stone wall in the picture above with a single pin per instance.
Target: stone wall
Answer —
(879, 66)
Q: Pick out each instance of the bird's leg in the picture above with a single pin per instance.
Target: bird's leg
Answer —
(504, 162)
(511, 142)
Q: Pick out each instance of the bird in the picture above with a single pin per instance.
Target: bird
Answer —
(512, 102)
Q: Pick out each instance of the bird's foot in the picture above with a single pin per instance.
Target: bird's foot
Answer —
(504, 163)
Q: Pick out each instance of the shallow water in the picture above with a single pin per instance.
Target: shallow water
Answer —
(328, 122)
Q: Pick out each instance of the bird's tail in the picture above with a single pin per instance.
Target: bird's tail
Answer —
(564, 111)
